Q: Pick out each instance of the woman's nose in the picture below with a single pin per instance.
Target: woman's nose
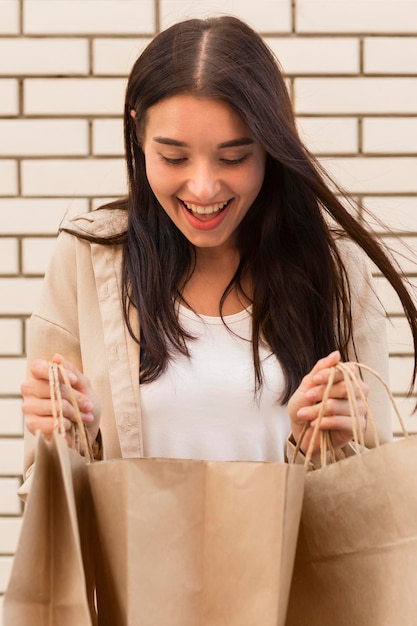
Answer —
(204, 182)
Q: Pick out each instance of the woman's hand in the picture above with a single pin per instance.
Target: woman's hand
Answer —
(37, 405)
(305, 404)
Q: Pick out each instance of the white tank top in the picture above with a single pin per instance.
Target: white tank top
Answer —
(204, 407)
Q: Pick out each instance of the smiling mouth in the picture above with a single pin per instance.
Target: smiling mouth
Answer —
(206, 210)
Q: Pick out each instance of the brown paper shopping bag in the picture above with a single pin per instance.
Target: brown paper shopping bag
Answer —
(195, 543)
(52, 568)
(52, 578)
(356, 561)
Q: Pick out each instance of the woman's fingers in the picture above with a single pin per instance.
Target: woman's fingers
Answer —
(46, 425)
(37, 404)
(82, 390)
(337, 415)
(339, 388)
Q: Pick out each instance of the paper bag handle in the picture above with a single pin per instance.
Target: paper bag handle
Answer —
(352, 386)
(79, 435)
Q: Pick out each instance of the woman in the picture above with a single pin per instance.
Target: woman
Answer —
(221, 264)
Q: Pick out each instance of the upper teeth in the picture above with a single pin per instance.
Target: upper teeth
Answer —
(204, 210)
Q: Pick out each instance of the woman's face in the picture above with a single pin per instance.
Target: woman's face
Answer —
(203, 165)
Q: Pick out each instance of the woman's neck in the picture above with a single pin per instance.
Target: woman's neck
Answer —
(211, 276)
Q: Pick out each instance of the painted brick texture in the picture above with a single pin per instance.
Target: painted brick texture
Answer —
(352, 73)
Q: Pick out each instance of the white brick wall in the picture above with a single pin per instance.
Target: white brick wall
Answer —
(397, 213)
(390, 55)
(73, 96)
(310, 55)
(28, 137)
(356, 16)
(29, 56)
(357, 96)
(9, 97)
(263, 15)
(96, 17)
(73, 177)
(351, 67)
(8, 177)
(390, 134)
(9, 17)
(116, 56)
(385, 175)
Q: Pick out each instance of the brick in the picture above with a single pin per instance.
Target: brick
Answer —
(5, 569)
(399, 336)
(9, 17)
(371, 175)
(108, 138)
(10, 528)
(12, 374)
(43, 137)
(43, 56)
(18, 296)
(396, 213)
(329, 135)
(11, 456)
(115, 57)
(8, 177)
(390, 135)
(9, 104)
(400, 370)
(74, 96)
(77, 177)
(25, 216)
(310, 55)
(11, 337)
(263, 15)
(356, 16)
(355, 95)
(9, 501)
(11, 418)
(36, 253)
(9, 259)
(390, 55)
(404, 250)
(94, 16)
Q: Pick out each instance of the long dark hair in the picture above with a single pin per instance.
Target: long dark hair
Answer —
(301, 299)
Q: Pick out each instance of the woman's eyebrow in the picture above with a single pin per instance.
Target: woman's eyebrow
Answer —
(167, 141)
(232, 143)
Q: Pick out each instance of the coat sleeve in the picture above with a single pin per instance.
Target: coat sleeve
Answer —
(53, 326)
(369, 346)
(369, 343)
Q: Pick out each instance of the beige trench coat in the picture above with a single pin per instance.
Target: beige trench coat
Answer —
(79, 315)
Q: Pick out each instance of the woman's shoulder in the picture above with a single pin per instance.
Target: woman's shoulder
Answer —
(106, 222)
(352, 255)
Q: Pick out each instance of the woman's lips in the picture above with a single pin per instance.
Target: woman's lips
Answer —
(206, 217)
(207, 209)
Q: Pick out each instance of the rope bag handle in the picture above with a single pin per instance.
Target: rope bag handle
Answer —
(79, 436)
(354, 390)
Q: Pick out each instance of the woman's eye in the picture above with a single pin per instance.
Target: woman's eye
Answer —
(235, 161)
(173, 161)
